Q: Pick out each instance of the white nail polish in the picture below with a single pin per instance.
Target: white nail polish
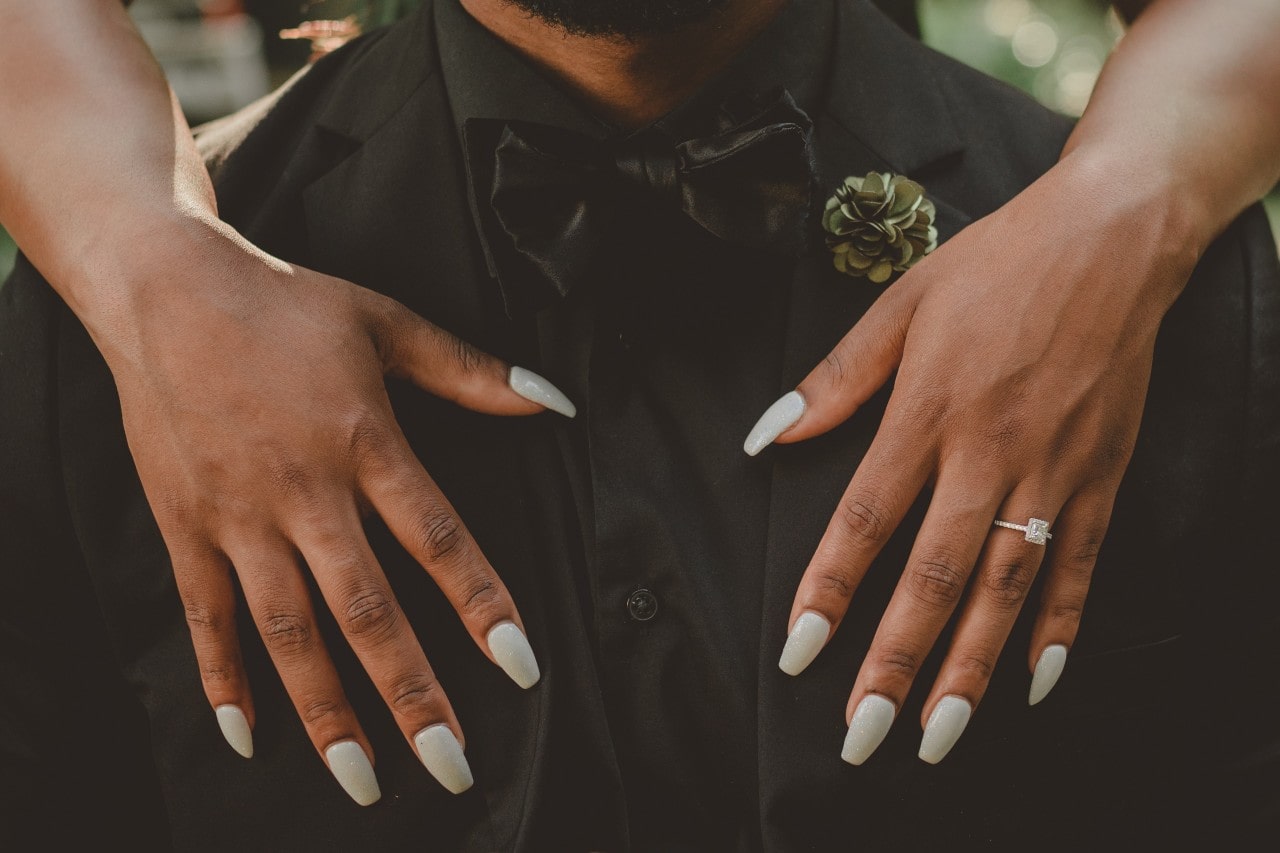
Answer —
(235, 728)
(806, 639)
(944, 728)
(510, 648)
(536, 389)
(871, 721)
(1048, 670)
(776, 420)
(351, 767)
(442, 755)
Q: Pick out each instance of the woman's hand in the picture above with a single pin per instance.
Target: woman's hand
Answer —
(1022, 367)
(256, 411)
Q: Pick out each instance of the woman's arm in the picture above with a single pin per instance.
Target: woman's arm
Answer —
(1022, 368)
(252, 393)
(1189, 103)
(95, 153)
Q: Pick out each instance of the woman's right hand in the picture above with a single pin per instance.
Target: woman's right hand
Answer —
(257, 413)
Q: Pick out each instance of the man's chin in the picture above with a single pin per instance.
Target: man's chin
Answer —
(620, 18)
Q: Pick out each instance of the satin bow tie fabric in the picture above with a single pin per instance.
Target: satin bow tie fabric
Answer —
(558, 200)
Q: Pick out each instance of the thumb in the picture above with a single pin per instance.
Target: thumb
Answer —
(857, 368)
(452, 369)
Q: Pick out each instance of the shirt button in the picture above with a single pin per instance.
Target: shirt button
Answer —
(642, 605)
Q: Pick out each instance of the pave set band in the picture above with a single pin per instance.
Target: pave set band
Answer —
(1036, 530)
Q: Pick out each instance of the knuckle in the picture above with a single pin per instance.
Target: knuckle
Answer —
(977, 667)
(865, 519)
(323, 710)
(480, 594)
(219, 672)
(286, 631)
(202, 618)
(414, 693)
(468, 357)
(1008, 582)
(834, 582)
(370, 614)
(439, 536)
(1004, 432)
(898, 662)
(366, 436)
(938, 580)
(836, 370)
(1067, 613)
(1083, 554)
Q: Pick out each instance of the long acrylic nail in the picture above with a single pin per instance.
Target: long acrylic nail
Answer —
(536, 389)
(776, 420)
(871, 721)
(511, 649)
(944, 728)
(351, 767)
(806, 639)
(235, 728)
(1048, 671)
(442, 755)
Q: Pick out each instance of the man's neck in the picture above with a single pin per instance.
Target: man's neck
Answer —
(630, 82)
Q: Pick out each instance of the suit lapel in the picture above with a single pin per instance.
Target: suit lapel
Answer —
(883, 113)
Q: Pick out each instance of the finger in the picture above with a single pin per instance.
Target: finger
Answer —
(931, 585)
(859, 366)
(281, 607)
(1004, 574)
(449, 367)
(357, 592)
(203, 576)
(1077, 539)
(427, 525)
(879, 495)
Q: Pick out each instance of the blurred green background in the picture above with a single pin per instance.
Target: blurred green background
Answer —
(221, 54)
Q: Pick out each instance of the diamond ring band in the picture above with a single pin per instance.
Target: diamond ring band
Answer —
(1036, 530)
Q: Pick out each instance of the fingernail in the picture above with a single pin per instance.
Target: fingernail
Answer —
(536, 389)
(351, 767)
(235, 728)
(1048, 670)
(871, 721)
(806, 639)
(510, 648)
(944, 728)
(776, 420)
(442, 755)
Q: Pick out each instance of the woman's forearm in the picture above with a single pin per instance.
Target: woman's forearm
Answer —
(1188, 105)
(95, 155)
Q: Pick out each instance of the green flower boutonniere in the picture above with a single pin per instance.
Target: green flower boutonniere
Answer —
(878, 224)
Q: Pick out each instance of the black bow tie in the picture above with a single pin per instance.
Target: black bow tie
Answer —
(556, 198)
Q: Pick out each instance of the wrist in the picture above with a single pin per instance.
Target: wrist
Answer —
(1150, 205)
(150, 270)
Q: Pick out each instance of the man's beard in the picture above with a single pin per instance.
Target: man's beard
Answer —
(623, 18)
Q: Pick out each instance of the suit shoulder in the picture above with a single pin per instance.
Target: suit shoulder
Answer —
(1009, 137)
(271, 143)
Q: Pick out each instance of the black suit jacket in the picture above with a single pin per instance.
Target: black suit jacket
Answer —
(1158, 728)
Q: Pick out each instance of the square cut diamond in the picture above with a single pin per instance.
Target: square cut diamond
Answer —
(1037, 531)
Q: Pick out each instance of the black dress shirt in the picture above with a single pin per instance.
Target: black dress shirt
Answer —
(670, 356)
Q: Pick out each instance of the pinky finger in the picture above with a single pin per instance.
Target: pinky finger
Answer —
(208, 598)
(1068, 571)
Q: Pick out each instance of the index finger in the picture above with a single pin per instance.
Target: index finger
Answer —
(426, 524)
(883, 488)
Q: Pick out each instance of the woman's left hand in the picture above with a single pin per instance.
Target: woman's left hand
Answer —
(1022, 367)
